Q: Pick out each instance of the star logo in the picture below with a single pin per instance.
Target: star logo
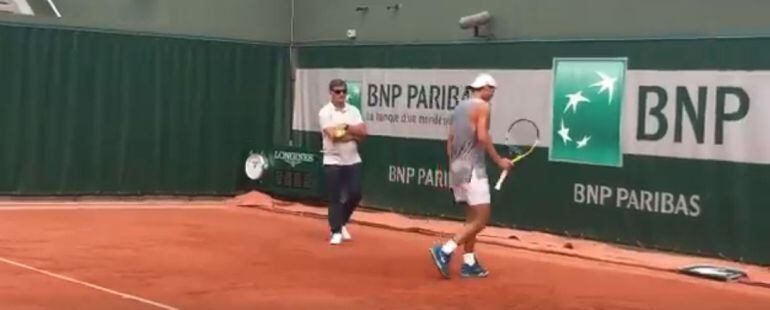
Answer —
(607, 83)
(574, 100)
(564, 133)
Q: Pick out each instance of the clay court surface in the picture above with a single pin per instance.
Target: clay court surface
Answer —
(214, 256)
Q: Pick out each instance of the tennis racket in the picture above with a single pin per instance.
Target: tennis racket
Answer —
(521, 139)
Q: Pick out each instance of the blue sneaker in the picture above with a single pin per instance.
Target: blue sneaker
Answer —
(441, 260)
(475, 271)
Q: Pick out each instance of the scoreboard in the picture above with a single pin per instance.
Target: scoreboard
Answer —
(294, 179)
(295, 173)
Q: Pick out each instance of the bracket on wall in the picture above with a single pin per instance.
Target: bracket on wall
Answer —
(394, 7)
(482, 32)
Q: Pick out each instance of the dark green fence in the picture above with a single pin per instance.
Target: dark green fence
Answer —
(86, 112)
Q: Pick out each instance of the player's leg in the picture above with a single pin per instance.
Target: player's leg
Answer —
(479, 199)
(476, 193)
(442, 254)
(467, 235)
(470, 217)
(335, 213)
(471, 266)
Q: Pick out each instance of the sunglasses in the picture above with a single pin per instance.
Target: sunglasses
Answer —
(340, 91)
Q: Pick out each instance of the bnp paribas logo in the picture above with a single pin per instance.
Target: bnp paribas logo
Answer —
(354, 93)
(588, 95)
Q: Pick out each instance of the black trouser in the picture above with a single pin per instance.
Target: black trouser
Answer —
(344, 186)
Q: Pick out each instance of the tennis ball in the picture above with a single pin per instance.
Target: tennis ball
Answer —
(339, 133)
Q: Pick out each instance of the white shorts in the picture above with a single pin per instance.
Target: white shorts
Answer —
(475, 192)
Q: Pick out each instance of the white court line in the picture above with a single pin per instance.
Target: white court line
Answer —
(117, 203)
(41, 206)
(93, 286)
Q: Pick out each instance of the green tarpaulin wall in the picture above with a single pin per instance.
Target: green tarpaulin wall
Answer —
(86, 112)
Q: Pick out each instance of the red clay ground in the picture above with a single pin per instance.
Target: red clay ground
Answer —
(239, 258)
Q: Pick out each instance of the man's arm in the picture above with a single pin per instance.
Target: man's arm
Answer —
(329, 132)
(347, 137)
(358, 131)
(482, 133)
(358, 128)
(327, 127)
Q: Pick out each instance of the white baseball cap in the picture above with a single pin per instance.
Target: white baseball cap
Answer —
(482, 80)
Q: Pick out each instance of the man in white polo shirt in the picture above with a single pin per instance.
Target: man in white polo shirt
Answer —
(343, 129)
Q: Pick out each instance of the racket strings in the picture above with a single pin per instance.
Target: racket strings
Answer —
(521, 136)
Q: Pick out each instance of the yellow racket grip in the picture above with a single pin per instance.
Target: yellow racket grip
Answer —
(500, 180)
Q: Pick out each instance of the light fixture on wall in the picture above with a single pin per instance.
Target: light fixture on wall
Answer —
(351, 34)
(394, 7)
(477, 21)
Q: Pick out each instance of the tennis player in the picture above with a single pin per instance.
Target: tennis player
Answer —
(467, 144)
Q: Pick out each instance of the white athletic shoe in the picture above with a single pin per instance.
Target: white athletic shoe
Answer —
(345, 234)
(336, 239)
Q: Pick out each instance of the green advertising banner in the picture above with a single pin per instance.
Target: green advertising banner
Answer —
(587, 103)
